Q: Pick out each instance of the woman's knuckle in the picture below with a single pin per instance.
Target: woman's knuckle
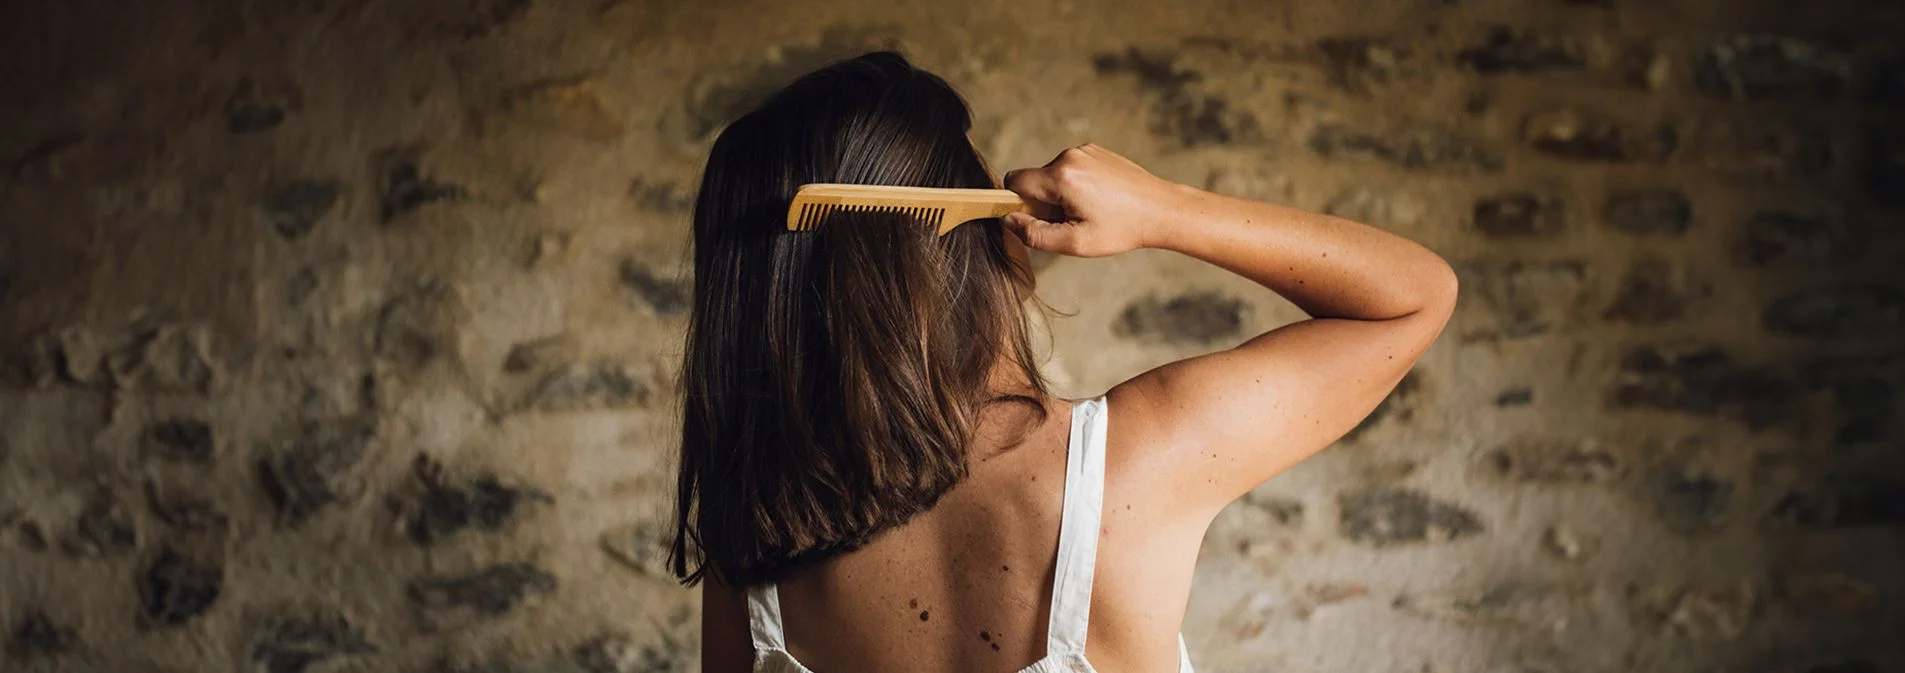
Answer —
(1065, 174)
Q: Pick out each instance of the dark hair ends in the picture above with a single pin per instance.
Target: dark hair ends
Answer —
(833, 377)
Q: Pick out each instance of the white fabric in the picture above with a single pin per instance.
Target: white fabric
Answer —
(1071, 589)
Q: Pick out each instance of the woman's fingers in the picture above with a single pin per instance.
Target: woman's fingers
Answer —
(1061, 238)
(1034, 184)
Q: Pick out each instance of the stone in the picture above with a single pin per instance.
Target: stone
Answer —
(726, 98)
(312, 469)
(1579, 461)
(1838, 312)
(571, 105)
(1844, 502)
(1524, 300)
(617, 653)
(185, 440)
(252, 109)
(1317, 595)
(1578, 135)
(660, 197)
(1251, 183)
(1359, 64)
(73, 354)
(1286, 511)
(299, 287)
(37, 635)
(1386, 517)
(1776, 236)
(1650, 212)
(1426, 149)
(175, 589)
(1714, 614)
(1515, 397)
(1515, 603)
(1653, 291)
(1520, 215)
(51, 157)
(104, 528)
(1195, 318)
(1154, 72)
(417, 325)
(493, 663)
(1829, 595)
(491, 591)
(174, 357)
(643, 546)
(1478, 102)
(295, 643)
(1203, 121)
(294, 208)
(1180, 112)
(597, 385)
(1326, 593)
(406, 189)
(161, 356)
(183, 510)
(1865, 407)
(30, 536)
(1505, 50)
(1644, 68)
(478, 18)
(547, 250)
(442, 508)
(1561, 541)
(1379, 208)
(1758, 66)
(1704, 381)
(611, 653)
(1689, 502)
(1399, 404)
(1766, 151)
(664, 296)
(541, 355)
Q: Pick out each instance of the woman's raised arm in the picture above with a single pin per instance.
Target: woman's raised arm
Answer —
(1213, 427)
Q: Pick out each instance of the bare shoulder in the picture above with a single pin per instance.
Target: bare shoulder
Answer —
(1143, 443)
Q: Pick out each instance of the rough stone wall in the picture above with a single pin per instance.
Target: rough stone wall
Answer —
(339, 334)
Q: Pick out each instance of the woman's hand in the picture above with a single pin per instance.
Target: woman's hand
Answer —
(1091, 202)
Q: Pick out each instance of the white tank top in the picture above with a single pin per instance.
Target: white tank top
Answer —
(1071, 588)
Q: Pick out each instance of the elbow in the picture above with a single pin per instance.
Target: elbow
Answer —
(1439, 288)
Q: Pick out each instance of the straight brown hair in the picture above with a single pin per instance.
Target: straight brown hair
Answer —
(833, 377)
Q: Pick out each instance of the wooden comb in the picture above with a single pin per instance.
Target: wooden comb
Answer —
(940, 207)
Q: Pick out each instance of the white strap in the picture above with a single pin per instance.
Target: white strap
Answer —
(1078, 529)
(764, 618)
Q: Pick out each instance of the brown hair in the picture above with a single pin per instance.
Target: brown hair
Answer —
(833, 377)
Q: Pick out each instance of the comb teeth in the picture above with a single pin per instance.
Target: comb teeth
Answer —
(812, 214)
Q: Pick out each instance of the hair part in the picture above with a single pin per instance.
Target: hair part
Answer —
(833, 377)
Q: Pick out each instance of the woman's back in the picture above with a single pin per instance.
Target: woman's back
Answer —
(969, 585)
(873, 471)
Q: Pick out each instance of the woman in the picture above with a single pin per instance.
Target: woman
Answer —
(874, 477)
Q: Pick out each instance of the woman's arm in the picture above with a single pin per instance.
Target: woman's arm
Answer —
(1214, 427)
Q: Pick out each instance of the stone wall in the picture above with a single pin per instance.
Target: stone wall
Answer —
(339, 335)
